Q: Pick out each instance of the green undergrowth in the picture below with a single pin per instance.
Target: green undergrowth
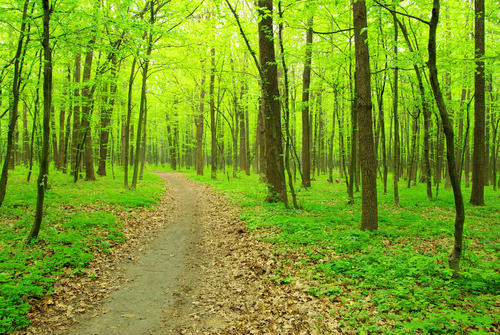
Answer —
(392, 281)
(77, 223)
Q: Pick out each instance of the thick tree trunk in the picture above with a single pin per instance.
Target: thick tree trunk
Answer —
(478, 155)
(275, 174)
(369, 216)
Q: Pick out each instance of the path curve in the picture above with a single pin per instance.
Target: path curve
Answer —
(168, 266)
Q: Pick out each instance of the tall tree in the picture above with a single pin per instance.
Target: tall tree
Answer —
(478, 155)
(213, 127)
(275, 174)
(47, 105)
(454, 260)
(369, 218)
(306, 123)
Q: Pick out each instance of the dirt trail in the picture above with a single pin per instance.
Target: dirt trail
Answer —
(154, 280)
(192, 268)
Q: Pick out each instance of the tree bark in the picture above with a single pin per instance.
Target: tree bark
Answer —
(478, 155)
(47, 102)
(76, 119)
(106, 112)
(454, 260)
(213, 125)
(369, 218)
(306, 123)
(274, 171)
(142, 108)
(199, 128)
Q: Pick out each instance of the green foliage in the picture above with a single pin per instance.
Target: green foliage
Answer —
(395, 280)
(77, 223)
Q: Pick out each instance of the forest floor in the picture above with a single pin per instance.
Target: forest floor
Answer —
(188, 266)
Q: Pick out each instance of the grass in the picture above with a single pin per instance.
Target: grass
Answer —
(77, 222)
(395, 280)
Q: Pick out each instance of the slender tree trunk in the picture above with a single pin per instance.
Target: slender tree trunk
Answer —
(454, 260)
(142, 108)
(26, 141)
(213, 126)
(126, 139)
(306, 122)
(13, 108)
(76, 119)
(199, 128)
(47, 101)
(106, 112)
(87, 105)
(369, 218)
(395, 93)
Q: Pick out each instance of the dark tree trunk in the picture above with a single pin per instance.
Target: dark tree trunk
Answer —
(478, 155)
(306, 123)
(142, 108)
(106, 112)
(274, 171)
(126, 141)
(47, 101)
(395, 93)
(75, 151)
(87, 105)
(26, 140)
(455, 256)
(369, 217)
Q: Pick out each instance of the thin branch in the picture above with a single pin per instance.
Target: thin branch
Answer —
(400, 13)
(242, 32)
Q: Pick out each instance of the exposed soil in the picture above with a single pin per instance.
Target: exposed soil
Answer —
(188, 267)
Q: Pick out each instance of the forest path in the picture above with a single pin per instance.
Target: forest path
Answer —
(163, 277)
(188, 266)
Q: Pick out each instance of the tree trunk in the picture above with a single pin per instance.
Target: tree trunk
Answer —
(369, 216)
(13, 114)
(87, 105)
(274, 171)
(478, 155)
(395, 93)
(306, 122)
(75, 150)
(199, 128)
(142, 108)
(47, 102)
(126, 140)
(106, 112)
(454, 260)
(213, 126)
